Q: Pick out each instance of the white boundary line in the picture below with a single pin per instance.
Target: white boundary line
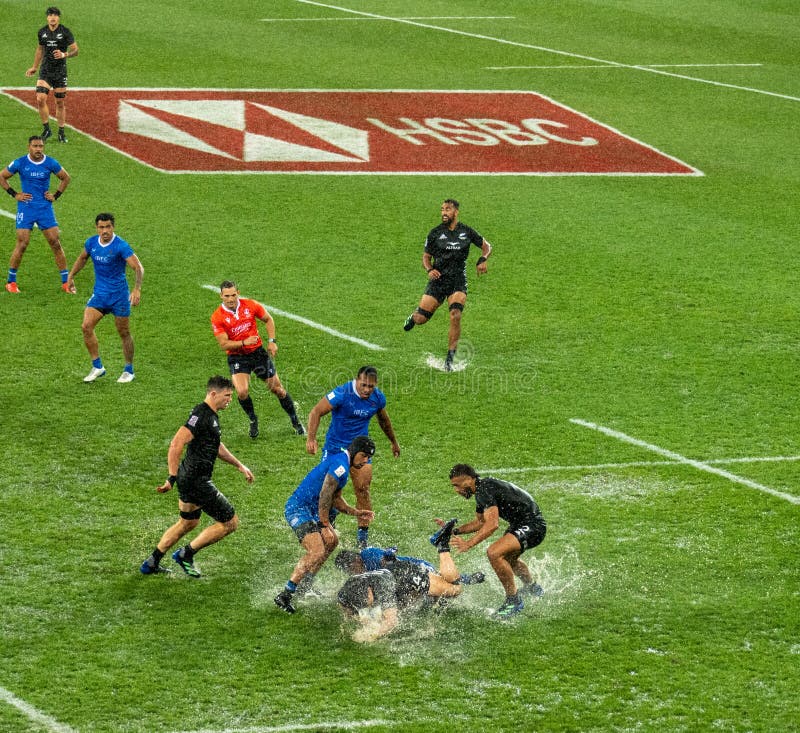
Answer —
(408, 17)
(3, 212)
(32, 713)
(635, 464)
(606, 66)
(556, 51)
(332, 725)
(312, 324)
(678, 458)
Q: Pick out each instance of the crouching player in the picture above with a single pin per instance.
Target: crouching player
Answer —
(496, 500)
(311, 511)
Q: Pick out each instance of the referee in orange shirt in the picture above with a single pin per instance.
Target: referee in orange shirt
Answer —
(235, 327)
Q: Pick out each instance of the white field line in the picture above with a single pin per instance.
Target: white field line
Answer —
(332, 725)
(677, 457)
(37, 716)
(606, 66)
(556, 51)
(407, 17)
(3, 212)
(634, 464)
(312, 324)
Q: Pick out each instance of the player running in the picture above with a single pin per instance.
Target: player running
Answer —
(447, 247)
(201, 438)
(235, 327)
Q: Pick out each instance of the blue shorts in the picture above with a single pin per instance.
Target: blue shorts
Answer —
(303, 519)
(297, 514)
(117, 303)
(41, 215)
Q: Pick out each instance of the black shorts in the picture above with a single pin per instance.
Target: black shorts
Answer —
(207, 496)
(257, 362)
(56, 79)
(529, 535)
(444, 287)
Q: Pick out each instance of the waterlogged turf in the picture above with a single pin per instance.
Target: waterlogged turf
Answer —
(662, 308)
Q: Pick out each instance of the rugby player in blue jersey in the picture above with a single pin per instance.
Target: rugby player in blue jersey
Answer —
(35, 205)
(351, 407)
(110, 255)
(312, 509)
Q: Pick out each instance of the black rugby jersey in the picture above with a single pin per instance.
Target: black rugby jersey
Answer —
(201, 453)
(514, 504)
(450, 249)
(59, 39)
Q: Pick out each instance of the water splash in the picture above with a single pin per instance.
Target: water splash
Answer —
(434, 362)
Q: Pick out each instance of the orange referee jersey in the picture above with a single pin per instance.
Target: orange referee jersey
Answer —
(239, 324)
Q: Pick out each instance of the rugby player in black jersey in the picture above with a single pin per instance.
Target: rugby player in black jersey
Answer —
(55, 45)
(200, 436)
(401, 583)
(444, 258)
(496, 500)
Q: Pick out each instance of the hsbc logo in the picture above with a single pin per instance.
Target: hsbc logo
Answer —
(358, 132)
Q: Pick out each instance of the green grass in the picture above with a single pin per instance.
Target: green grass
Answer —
(665, 308)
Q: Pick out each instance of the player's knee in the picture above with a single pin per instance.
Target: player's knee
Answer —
(456, 309)
(232, 524)
(426, 314)
(189, 520)
(494, 554)
(60, 97)
(41, 92)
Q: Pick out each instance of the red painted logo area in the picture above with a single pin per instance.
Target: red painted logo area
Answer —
(351, 132)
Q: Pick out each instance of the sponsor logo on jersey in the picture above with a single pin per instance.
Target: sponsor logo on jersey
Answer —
(358, 132)
(339, 471)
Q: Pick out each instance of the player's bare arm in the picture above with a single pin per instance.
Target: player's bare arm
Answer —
(386, 426)
(180, 440)
(269, 324)
(5, 176)
(136, 294)
(486, 251)
(71, 52)
(427, 263)
(225, 455)
(489, 521)
(327, 496)
(323, 407)
(37, 59)
(80, 262)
